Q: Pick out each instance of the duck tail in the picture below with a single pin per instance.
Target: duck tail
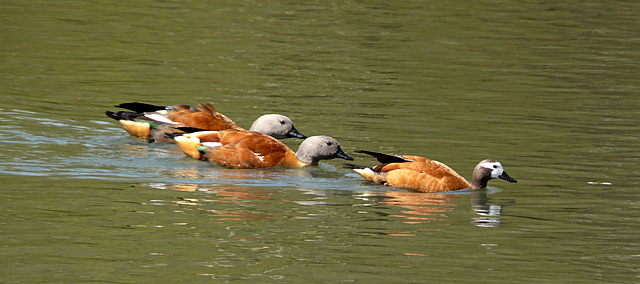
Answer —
(367, 173)
(122, 115)
(189, 145)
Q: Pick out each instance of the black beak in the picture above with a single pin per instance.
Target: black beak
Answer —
(295, 134)
(341, 154)
(506, 177)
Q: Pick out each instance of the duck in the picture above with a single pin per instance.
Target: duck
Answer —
(153, 122)
(243, 149)
(425, 175)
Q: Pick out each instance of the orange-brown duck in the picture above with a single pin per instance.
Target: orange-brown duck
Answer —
(424, 175)
(241, 149)
(152, 123)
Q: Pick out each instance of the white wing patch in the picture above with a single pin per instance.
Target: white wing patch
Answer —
(211, 144)
(159, 118)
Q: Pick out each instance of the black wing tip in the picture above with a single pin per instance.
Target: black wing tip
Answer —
(384, 158)
(182, 130)
(122, 115)
(141, 107)
(187, 129)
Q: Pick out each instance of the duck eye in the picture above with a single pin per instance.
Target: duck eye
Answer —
(495, 166)
(329, 143)
(282, 122)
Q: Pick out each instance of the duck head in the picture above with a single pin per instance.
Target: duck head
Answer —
(488, 170)
(276, 125)
(316, 148)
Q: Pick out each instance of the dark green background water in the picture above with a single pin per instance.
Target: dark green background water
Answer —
(549, 89)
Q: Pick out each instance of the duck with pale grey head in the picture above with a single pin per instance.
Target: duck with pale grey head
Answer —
(155, 123)
(242, 149)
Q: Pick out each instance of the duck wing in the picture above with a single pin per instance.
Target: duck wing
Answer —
(249, 150)
(205, 117)
(385, 158)
(424, 175)
(141, 107)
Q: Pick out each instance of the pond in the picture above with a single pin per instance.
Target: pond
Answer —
(548, 89)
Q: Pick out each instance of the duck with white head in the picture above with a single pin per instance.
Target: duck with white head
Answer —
(425, 175)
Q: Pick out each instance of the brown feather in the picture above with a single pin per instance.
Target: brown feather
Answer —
(423, 175)
(206, 118)
(242, 149)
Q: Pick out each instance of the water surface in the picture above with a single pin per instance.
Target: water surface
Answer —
(548, 89)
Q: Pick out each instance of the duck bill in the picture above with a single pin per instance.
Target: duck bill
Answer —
(294, 133)
(342, 155)
(506, 177)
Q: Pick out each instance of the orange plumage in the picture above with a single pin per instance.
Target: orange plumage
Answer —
(249, 150)
(160, 123)
(205, 117)
(241, 149)
(152, 123)
(425, 175)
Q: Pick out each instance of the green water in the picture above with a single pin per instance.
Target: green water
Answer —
(548, 89)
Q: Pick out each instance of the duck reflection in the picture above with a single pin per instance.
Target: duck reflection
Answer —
(427, 207)
(489, 212)
(213, 172)
(414, 207)
(420, 207)
(225, 194)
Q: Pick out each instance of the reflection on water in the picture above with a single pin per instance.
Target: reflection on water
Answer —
(490, 213)
(228, 194)
(419, 208)
(412, 207)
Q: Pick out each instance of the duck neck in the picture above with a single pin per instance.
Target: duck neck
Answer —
(478, 184)
(306, 158)
(480, 178)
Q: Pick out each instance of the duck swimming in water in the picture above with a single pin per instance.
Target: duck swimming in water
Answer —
(425, 175)
(241, 149)
(152, 122)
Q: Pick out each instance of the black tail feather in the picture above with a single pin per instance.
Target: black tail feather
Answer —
(172, 135)
(385, 158)
(141, 107)
(123, 115)
(183, 129)
(190, 129)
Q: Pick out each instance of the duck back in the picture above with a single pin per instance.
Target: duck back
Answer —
(250, 150)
